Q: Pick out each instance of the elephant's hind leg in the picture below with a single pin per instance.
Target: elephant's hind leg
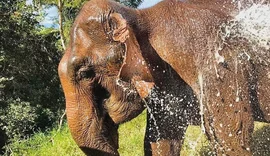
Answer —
(227, 112)
(263, 91)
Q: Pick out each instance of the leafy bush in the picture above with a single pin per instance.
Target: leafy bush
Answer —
(53, 143)
(18, 119)
(30, 94)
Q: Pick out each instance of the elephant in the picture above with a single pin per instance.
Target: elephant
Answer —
(116, 100)
(119, 60)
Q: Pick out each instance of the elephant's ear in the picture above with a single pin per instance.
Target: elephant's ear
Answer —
(134, 64)
(116, 27)
(134, 68)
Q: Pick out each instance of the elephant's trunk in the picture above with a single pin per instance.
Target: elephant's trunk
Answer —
(92, 128)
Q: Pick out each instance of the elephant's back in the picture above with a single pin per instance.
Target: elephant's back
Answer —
(182, 34)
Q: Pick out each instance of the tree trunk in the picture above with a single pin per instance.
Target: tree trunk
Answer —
(60, 22)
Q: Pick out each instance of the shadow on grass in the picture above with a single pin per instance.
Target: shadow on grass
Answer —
(260, 142)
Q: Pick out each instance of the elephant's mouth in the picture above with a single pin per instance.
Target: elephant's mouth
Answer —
(107, 127)
(100, 95)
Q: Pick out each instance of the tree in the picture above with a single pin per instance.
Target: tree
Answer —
(64, 9)
(30, 93)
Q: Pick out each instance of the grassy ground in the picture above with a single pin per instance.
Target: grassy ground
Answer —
(53, 143)
(131, 142)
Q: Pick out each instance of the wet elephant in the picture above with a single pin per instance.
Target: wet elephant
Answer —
(95, 75)
(97, 100)
(117, 53)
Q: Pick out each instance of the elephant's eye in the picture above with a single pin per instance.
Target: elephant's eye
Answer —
(85, 73)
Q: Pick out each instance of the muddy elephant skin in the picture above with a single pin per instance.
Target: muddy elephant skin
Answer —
(117, 54)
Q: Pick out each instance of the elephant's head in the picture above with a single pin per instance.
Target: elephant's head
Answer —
(97, 100)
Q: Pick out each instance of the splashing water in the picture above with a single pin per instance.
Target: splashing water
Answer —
(254, 23)
(155, 125)
(169, 114)
(251, 25)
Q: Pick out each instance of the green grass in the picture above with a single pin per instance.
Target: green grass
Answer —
(194, 142)
(53, 143)
(131, 135)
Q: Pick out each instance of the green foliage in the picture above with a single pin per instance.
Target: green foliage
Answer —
(68, 9)
(18, 119)
(131, 136)
(195, 142)
(53, 143)
(29, 61)
(30, 93)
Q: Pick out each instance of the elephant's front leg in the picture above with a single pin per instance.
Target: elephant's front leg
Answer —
(227, 112)
(168, 115)
(155, 144)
